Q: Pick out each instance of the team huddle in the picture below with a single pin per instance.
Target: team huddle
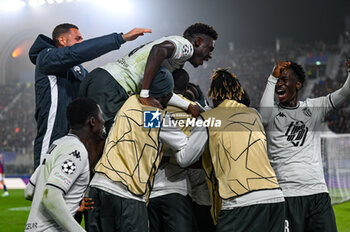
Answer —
(191, 167)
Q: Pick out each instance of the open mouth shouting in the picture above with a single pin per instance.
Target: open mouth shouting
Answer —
(281, 93)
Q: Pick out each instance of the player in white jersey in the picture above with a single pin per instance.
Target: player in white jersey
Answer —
(293, 133)
(62, 178)
(113, 83)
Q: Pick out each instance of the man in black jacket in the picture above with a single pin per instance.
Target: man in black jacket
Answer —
(58, 73)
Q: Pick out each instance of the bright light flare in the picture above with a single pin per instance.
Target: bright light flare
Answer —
(117, 6)
(36, 3)
(11, 5)
(16, 52)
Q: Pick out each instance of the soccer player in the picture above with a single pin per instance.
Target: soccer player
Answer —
(124, 175)
(2, 177)
(293, 133)
(113, 83)
(63, 177)
(170, 207)
(243, 186)
(201, 202)
(58, 74)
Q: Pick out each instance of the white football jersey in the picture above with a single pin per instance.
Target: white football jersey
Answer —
(293, 136)
(66, 168)
(129, 70)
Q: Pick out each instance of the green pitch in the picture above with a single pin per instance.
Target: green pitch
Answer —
(14, 211)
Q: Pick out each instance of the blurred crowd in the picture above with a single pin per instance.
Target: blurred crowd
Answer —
(251, 66)
(17, 129)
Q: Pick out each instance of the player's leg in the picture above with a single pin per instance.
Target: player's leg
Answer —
(321, 216)
(94, 221)
(106, 91)
(261, 217)
(177, 213)
(6, 193)
(204, 221)
(296, 211)
(134, 217)
(154, 215)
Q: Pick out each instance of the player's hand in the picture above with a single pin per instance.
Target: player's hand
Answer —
(194, 110)
(279, 68)
(134, 33)
(86, 204)
(348, 63)
(150, 101)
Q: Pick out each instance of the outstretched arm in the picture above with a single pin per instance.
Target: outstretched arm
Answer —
(340, 95)
(55, 59)
(134, 33)
(267, 99)
(55, 205)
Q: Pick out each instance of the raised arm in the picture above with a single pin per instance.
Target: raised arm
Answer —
(340, 95)
(267, 99)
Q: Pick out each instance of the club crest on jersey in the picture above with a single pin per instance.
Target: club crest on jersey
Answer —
(68, 167)
(77, 69)
(296, 133)
(307, 112)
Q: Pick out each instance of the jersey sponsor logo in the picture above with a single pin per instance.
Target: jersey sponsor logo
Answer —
(281, 114)
(76, 154)
(68, 167)
(31, 226)
(51, 148)
(63, 178)
(296, 133)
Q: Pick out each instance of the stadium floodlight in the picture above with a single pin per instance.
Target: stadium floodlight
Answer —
(50, 1)
(36, 3)
(59, 1)
(121, 6)
(11, 5)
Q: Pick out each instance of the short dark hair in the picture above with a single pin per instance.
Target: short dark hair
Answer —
(298, 71)
(61, 29)
(181, 79)
(225, 85)
(79, 111)
(200, 28)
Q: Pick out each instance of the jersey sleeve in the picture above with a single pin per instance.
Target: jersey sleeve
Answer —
(183, 48)
(322, 105)
(67, 168)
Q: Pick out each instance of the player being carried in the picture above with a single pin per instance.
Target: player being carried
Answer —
(112, 84)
